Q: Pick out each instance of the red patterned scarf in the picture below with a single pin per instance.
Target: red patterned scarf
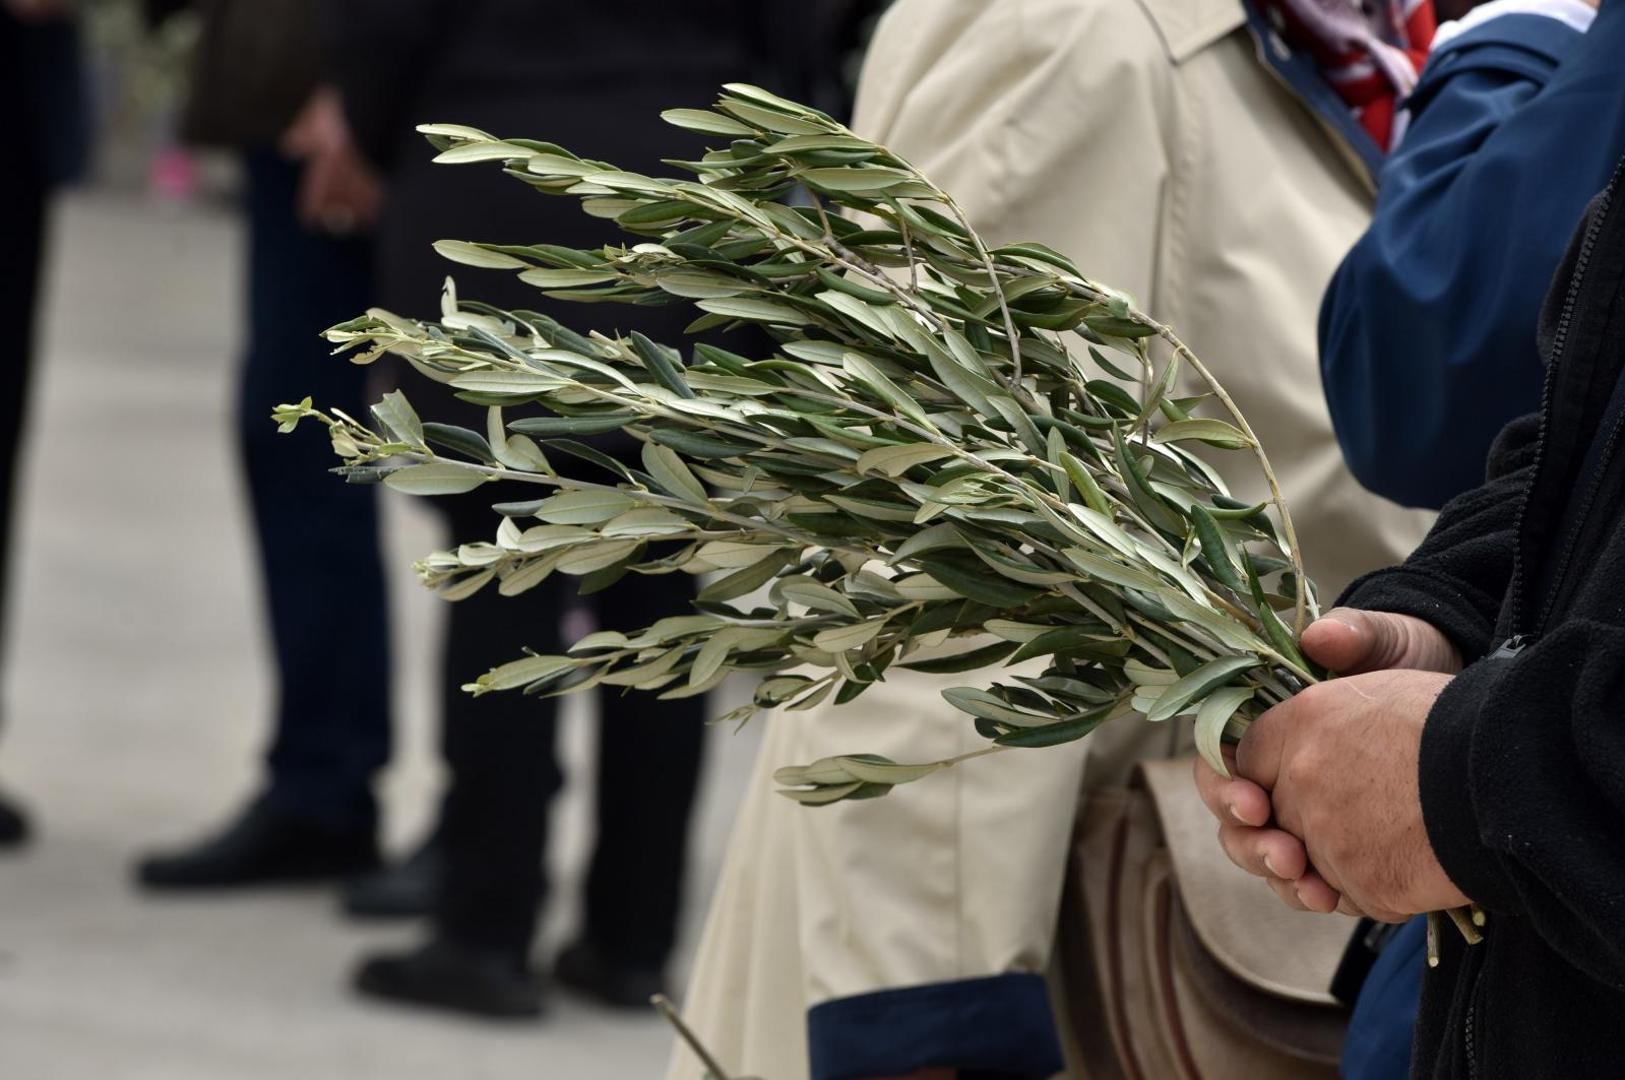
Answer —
(1370, 51)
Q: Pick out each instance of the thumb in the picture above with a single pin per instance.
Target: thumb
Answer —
(1349, 641)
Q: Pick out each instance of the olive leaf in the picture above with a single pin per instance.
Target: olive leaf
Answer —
(934, 465)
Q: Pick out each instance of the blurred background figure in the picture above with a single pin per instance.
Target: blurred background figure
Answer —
(309, 203)
(226, 223)
(41, 84)
(516, 67)
(1427, 333)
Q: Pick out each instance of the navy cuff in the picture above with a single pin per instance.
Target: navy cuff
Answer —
(994, 1028)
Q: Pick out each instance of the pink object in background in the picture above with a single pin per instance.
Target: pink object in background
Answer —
(173, 175)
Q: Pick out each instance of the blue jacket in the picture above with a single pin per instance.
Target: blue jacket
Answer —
(1427, 332)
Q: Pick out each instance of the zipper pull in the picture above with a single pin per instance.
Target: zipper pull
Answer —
(1512, 646)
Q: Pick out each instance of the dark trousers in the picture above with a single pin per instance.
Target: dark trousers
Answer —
(22, 195)
(504, 771)
(318, 536)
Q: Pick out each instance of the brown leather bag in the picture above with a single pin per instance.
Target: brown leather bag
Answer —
(1179, 966)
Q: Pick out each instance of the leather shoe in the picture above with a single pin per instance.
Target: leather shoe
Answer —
(265, 845)
(493, 983)
(584, 968)
(408, 889)
(13, 825)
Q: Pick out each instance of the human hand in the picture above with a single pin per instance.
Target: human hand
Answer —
(339, 192)
(1350, 641)
(1335, 768)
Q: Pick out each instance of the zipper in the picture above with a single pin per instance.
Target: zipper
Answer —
(1522, 633)
(1472, 1011)
(1559, 343)
(1472, 1061)
(1512, 646)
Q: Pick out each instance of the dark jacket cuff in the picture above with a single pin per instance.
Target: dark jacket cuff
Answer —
(1448, 789)
(1405, 591)
(994, 1028)
(1509, 42)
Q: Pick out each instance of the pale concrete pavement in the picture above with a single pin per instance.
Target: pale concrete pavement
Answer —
(135, 702)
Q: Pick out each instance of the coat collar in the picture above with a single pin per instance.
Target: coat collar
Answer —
(1189, 26)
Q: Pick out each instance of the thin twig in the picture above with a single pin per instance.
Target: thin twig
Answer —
(1300, 579)
(908, 251)
(666, 1009)
(993, 280)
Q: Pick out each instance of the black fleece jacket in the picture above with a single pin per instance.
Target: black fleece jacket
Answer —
(1523, 756)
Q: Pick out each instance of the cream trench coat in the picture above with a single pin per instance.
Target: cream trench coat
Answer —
(1146, 140)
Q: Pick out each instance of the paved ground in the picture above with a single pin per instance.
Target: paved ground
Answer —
(135, 699)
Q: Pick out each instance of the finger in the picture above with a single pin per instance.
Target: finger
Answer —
(366, 198)
(1232, 801)
(317, 191)
(1288, 893)
(1265, 852)
(299, 140)
(1343, 640)
(1350, 641)
(1258, 754)
(1316, 895)
(361, 191)
(1385, 916)
(1346, 906)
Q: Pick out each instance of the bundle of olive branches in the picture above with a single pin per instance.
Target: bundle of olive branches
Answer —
(955, 457)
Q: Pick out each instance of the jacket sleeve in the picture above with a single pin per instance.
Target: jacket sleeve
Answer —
(1459, 576)
(1533, 824)
(1427, 332)
(376, 51)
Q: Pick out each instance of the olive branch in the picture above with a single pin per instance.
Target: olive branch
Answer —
(955, 457)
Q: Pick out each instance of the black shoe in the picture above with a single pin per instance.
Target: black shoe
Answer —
(585, 969)
(13, 825)
(265, 846)
(490, 983)
(408, 889)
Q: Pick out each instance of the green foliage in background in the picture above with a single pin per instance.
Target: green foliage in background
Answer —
(955, 458)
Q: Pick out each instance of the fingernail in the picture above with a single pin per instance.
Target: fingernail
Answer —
(1298, 892)
(1271, 867)
(1235, 813)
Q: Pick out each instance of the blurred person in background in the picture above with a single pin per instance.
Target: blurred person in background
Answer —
(593, 78)
(42, 88)
(1206, 157)
(310, 202)
(1428, 329)
(1427, 332)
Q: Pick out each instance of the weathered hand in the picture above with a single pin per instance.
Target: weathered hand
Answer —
(1339, 764)
(1345, 640)
(1350, 641)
